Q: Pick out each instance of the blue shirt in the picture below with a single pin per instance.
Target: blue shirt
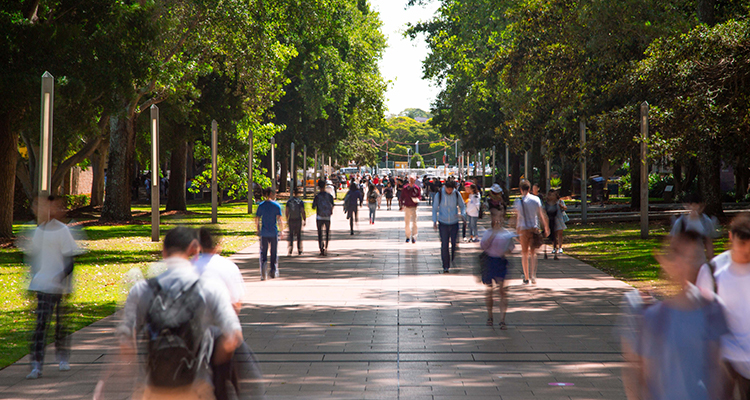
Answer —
(268, 211)
(445, 207)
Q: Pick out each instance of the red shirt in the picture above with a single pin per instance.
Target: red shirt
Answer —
(408, 193)
(375, 180)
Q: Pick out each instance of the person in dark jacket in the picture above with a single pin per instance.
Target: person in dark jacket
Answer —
(351, 203)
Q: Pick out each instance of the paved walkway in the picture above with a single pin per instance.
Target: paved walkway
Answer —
(376, 319)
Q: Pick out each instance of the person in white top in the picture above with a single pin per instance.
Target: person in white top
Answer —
(496, 243)
(529, 216)
(472, 211)
(730, 281)
(50, 254)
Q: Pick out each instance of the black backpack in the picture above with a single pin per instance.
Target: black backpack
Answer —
(324, 205)
(174, 335)
(294, 206)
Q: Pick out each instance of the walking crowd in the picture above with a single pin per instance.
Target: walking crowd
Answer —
(694, 344)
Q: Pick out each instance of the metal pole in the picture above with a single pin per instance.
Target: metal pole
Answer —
(549, 181)
(292, 172)
(494, 163)
(507, 168)
(484, 172)
(304, 172)
(273, 164)
(154, 173)
(45, 142)
(584, 179)
(315, 172)
(250, 185)
(214, 160)
(526, 166)
(644, 170)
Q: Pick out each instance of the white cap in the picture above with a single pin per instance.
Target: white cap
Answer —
(496, 188)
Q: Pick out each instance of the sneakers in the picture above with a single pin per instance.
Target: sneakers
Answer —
(36, 371)
(525, 281)
(413, 240)
(445, 270)
(533, 281)
(64, 366)
(560, 251)
(554, 251)
(407, 240)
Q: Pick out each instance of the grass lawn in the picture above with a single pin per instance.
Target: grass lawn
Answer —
(617, 249)
(112, 251)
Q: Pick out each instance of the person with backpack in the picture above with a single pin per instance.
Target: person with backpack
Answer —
(445, 217)
(351, 202)
(373, 199)
(410, 196)
(268, 223)
(296, 219)
(529, 216)
(50, 253)
(388, 193)
(323, 204)
(673, 346)
(728, 275)
(698, 222)
(175, 309)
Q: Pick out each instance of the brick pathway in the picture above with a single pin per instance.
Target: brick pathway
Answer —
(376, 319)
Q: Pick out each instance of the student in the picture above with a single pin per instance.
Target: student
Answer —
(323, 204)
(698, 222)
(410, 196)
(176, 354)
(296, 219)
(351, 200)
(388, 191)
(373, 199)
(269, 214)
(472, 211)
(731, 280)
(497, 243)
(529, 215)
(673, 345)
(555, 207)
(445, 217)
(50, 254)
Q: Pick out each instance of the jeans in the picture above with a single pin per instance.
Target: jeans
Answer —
(323, 223)
(431, 198)
(295, 229)
(353, 215)
(265, 243)
(46, 304)
(447, 232)
(372, 207)
(473, 226)
(410, 221)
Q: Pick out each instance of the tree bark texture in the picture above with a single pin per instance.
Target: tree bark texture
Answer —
(515, 167)
(119, 171)
(677, 177)
(635, 178)
(566, 185)
(8, 154)
(709, 177)
(98, 160)
(176, 200)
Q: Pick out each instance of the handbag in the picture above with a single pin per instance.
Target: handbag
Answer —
(536, 236)
(565, 217)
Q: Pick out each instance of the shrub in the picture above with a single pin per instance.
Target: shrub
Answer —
(73, 201)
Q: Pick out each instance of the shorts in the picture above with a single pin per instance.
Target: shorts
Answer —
(497, 270)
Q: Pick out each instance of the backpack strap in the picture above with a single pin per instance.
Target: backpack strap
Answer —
(712, 267)
(153, 283)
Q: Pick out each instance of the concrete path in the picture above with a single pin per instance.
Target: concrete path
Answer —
(376, 318)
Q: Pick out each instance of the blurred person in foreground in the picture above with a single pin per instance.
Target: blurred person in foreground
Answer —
(240, 377)
(673, 346)
(176, 309)
(497, 243)
(50, 253)
(728, 275)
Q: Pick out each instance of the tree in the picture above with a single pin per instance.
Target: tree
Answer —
(417, 161)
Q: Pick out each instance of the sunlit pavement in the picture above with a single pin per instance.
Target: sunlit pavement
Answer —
(376, 318)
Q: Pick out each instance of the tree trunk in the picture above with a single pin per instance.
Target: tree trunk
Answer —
(566, 177)
(176, 200)
(709, 177)
(515, 167)
(119, 171)
(635, 178)
(677, 177)
(8, 154)
(98, 160)
(284, 159)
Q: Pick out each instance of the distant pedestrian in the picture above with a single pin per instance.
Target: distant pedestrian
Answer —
(50, 253)
(497, 243)
(269, 223)
(410, 196)
(323, 205)
(495, 200)
(529, 215)
(399, 189)
(351, 201)
(698, 222)
(445, 218)
(388, 192)
(296, 219)
(472, 211)
(555, 209)
(373, 198)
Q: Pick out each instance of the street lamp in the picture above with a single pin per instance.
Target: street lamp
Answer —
(408, 159)
(214, 159)
(45, 161)
(417, 150)
(154, 173)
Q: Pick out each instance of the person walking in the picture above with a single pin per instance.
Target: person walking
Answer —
(296, 219)
(472, 211)
(529, 216)
(268, 223)
(373, 199)
(728, 275)
(497, 243)
(50, 252)
(463, 189)
(351, 200)
(175, 309)
(323, 205)
(695, 220)
(388, 192)
(555, 208)
(410, 196)
(495, 200)
(399, 189)
(445, 217)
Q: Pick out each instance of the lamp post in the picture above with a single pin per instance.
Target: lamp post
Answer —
(273, 164)
(507, 168)
(304, 172)
(154, 173)
(45, 161)
(214, 170)
(644, 170)
(315, 172)
(417, 149)
(292, 172)
(408, 159)
(584, 179)
(250, 174)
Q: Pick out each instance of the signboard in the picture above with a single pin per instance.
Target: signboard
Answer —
(401, 164)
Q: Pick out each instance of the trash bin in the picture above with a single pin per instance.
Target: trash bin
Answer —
(597, 189)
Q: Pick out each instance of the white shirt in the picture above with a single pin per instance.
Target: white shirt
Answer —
(733, 281)
(500, 245)
(472, 208)
(51, 248)
(528, 213)
(214, 266)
